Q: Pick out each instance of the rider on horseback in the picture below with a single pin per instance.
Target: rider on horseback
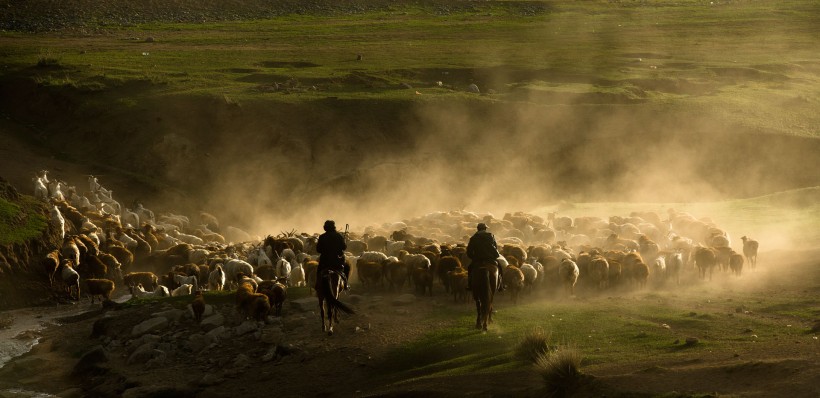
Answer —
(482, 249)
(331, 247)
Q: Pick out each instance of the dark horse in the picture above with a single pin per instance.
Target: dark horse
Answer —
(483, 285)
(330, 286)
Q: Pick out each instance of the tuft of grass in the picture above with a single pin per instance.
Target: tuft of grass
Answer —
(561, 371)
(533, 345)
(21, 221)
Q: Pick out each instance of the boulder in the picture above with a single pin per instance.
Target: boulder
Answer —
(150, 325)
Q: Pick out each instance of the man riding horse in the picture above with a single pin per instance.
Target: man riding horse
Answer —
(331, 247)
(483, 250)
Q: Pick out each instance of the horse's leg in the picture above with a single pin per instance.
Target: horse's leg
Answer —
(478, 314)
(322, 313)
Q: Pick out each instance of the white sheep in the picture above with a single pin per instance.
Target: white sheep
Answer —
(187, 280)
(70, 278)
(373, 257)
(530, 275)
(184, 290)
(235, 266)
(297, 275)
(40, 189)
(288, 254)
(282, 268)
(130, 218)
(216, 279)
(198, 256)
(58, 220)
(129, 242)
(261, 259)
(139, 292)
(568, 274)
(93, 185)
(194, 240)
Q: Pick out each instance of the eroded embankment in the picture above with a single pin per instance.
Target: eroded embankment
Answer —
(236, 159)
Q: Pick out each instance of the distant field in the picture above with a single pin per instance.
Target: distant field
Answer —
(758, 60)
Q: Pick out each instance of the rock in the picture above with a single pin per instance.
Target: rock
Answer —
(212, 322)
(473, 88)
(170, 315)
(158, 391)
(272, 335)
(305, 304)
(210, 380)
(71, 393)
(144, 354)
(102, 327)
(146, 338)
(692, 340)
(209, 310)
(89, 363)
(150, 325)
(217, 333)
(241, 361)
(197, 342)
(245, 328)
(405, 299)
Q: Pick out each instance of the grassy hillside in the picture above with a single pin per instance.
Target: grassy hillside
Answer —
(21, 221)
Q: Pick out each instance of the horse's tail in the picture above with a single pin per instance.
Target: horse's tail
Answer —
(333, 301)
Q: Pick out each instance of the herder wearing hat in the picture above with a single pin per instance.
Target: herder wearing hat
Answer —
(483, 249)
(331, 247)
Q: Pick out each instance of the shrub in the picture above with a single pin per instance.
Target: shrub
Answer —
(533, 345)
(561, 371)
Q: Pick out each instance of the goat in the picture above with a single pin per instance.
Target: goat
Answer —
(198, 306)
(736, 263)
(252, 304)
(513, 279)
(58, 221)
(568, 274)
(191, 280)
(183, 290)
(141, 278)
(235, 266)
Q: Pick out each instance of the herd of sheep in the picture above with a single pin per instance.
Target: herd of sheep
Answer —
(107, 247)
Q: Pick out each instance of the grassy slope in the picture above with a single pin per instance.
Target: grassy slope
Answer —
(20, 222)
(687, 56)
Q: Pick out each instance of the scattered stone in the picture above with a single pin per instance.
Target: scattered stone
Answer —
(217, 332)
(210, 380)
(665, 326)
(71, 393)
(212, 322)
(147, 338)
(170, 315)
(473, 88)
(245, 328)
(89, 363)
(241, 361)
(150, 325)
(144, 354)
(272, 335)
(692, 341)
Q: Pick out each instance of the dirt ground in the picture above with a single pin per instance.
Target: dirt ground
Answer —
(292, 357)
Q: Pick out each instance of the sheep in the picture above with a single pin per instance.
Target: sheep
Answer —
(252, 304)
(513, 279)
(139, 292)
(216, 279)
(370, 273)
(659, 268)
(705, 258)
(235, 266)
(69, 277)
(277, 293)
(129, 218)
(311, 267)
(58, 221)
(141, 278)
(458, 284)
(99, 287)
(356, 247)
(182, 280)
(183, 290)
(282, 268)
(568, 275)
(40, 189)
(423, 279)
(236, 235)
(70, 250)
(123, 255)
(674, 264)
(93, 266)
(750, 251)
(640, 272)
(445, 265)
(530, 276)
(50, 263)
(736, 263)
(396, 274)
(599, 271)
(198, 306)
(290, 255)
(297, 275)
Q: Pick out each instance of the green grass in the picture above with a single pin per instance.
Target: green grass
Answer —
(585, 47)
(20, 222)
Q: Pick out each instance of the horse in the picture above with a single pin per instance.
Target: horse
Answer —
(483, 285)
(329, 287)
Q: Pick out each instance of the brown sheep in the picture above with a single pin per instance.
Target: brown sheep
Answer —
(396, 274)
(750, 251)
(513, 279)
(147, 279)
(458, 284)
(445, 265)
(252, 305)
(92, 267)
(198, 306)
(640, 272)
(736, 263)
(705, 258)
(99, 287)
(370, 273)
(599, 271)
(50, 264)
(423, 280)
(123, 256)
(277, 293)
(614, 275)
(310, 266)
(514, 251)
